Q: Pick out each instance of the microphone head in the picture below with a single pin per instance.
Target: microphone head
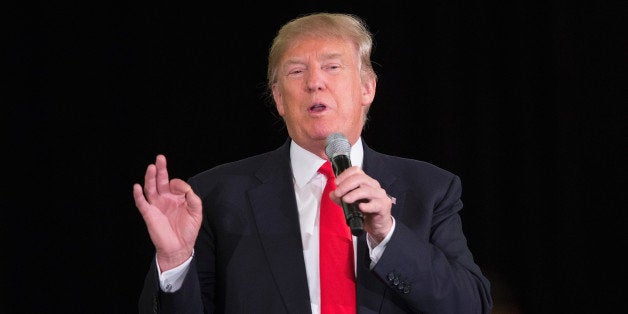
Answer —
(337, 144)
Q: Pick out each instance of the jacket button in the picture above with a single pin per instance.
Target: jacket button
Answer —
(406, 289)
(401, 286)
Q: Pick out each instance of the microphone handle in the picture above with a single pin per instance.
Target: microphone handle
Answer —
(353, 215)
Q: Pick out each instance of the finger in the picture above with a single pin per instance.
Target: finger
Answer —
(178, 186)
(380, 206)
(363, 193)
(351, 171)
(194, 202)
(335, 198)
(140, 201)
(163, 184)
(353, 182)
(150, 183)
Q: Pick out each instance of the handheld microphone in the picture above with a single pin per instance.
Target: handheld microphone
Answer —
(338, 148)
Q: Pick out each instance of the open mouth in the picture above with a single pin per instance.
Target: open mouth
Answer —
(317, 108)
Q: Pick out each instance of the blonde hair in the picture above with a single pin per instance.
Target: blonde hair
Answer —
(323, 24)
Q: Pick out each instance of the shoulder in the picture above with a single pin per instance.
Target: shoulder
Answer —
(253, 169)
(408, 168)
(422, 181)
(242, 166)
(243, 169)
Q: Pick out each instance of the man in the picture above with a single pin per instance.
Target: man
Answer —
(243, 237)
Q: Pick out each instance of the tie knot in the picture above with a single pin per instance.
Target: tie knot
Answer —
(327, 170)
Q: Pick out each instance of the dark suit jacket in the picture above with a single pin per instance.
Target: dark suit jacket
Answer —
(249, 257)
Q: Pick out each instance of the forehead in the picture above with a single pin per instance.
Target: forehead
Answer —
(319, 48)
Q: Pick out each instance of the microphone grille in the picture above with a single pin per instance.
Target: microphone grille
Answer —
(337, 144)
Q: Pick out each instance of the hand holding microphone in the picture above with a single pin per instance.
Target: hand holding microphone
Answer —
(338, 149)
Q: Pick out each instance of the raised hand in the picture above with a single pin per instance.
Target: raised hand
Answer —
(172, 213)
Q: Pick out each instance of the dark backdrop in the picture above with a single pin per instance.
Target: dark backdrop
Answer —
(523, 100)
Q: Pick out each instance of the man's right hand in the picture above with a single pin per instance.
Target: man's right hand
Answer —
(172, 213)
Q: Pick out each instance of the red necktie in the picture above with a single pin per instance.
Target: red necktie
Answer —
(336, 254)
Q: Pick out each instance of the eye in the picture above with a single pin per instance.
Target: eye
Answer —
(296, 71)
(332, 67)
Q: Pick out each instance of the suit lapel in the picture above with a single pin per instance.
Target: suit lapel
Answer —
(275, 211)
(371, 290)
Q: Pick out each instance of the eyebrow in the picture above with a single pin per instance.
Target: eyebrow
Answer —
(326, 56)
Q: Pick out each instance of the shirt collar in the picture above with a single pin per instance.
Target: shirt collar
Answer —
(305, 164)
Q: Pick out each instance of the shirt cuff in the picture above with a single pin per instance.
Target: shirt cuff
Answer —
(172, 280)
(376, 252)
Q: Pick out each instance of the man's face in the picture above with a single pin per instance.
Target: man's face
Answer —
(319, 91)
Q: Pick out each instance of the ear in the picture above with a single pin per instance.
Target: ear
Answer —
(368, 90)
(278, 100)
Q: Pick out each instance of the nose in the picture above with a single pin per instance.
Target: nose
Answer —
(315, 80)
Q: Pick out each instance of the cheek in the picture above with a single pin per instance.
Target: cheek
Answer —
(278, 101)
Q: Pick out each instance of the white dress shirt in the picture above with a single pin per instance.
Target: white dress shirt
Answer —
(308, 188)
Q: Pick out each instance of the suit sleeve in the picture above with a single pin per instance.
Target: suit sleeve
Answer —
(427, 264)
(185, 300)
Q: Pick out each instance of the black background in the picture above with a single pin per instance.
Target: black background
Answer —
(523, 100)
